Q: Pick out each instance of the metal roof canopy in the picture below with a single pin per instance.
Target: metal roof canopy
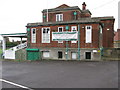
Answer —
(23, 35)
(20, 35)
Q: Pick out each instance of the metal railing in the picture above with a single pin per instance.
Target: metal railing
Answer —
(18, 47)
(10, 53)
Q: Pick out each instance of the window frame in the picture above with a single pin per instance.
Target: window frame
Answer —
(59, 17)
(45, 55)
(33, 36)
(59, 31)
(73, 31)
(90, 36)
(45, 35)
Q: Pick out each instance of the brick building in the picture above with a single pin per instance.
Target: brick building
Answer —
(93, 34)
(117, 39)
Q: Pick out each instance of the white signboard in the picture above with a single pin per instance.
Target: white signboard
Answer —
(64, 36)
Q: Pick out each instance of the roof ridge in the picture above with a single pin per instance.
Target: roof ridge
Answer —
(63, 6)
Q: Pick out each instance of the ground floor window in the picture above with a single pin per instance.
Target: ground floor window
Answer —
(74, 55)
(87, 55)
(46, 54)
(60, 54)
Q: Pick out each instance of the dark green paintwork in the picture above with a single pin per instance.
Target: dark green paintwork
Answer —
(33, 54)
(67, 27)
(75, 13)
(30, 49)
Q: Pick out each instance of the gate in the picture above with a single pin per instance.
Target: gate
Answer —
(33, 54)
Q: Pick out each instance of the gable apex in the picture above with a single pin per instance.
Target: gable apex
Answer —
(63, 6)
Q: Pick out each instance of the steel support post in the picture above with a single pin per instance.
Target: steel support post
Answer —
(66, 50)
(78, 42)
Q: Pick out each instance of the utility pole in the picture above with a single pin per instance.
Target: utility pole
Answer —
(78, 42)
(47, 15)
(47, 11)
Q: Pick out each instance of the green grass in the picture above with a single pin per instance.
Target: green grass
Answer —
(0, 50)
(0, 53)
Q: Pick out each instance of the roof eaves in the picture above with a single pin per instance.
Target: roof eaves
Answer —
(81, 21)
(15, 34)
(105, 18)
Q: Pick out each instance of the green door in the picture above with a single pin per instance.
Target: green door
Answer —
(33, 54)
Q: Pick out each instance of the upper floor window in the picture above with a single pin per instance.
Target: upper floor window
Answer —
(74, 29)
(88, 34)
(59, 17)
(46, 35)
(33, 35)
(60, 29)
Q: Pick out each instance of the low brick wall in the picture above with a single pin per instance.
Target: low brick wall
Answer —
(21, 54)
(111, 54)
(108, 54)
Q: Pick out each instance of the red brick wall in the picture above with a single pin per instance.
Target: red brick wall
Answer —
(85, 15)
(108, 35)
(67, 16)
(94, 44)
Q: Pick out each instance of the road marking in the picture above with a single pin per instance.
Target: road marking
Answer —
(18, 85)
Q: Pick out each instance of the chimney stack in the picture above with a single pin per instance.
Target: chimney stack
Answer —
(84, 6)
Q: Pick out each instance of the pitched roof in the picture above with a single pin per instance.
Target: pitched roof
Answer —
(105, 18)
(14, 35)
(62, 8)
(80, 21)
(65, 7)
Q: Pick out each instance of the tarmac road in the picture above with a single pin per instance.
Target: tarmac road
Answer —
(61, 74)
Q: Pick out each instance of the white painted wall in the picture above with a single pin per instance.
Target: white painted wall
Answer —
(9, 54)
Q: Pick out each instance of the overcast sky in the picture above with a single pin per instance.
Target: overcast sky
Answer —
(15, 14)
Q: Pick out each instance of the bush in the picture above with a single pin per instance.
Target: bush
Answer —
(11, 44)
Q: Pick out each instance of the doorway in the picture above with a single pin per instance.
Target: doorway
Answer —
(33, 54)
(88, 55)
(60, 55)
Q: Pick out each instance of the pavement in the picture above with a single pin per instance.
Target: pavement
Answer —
(59, 74)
